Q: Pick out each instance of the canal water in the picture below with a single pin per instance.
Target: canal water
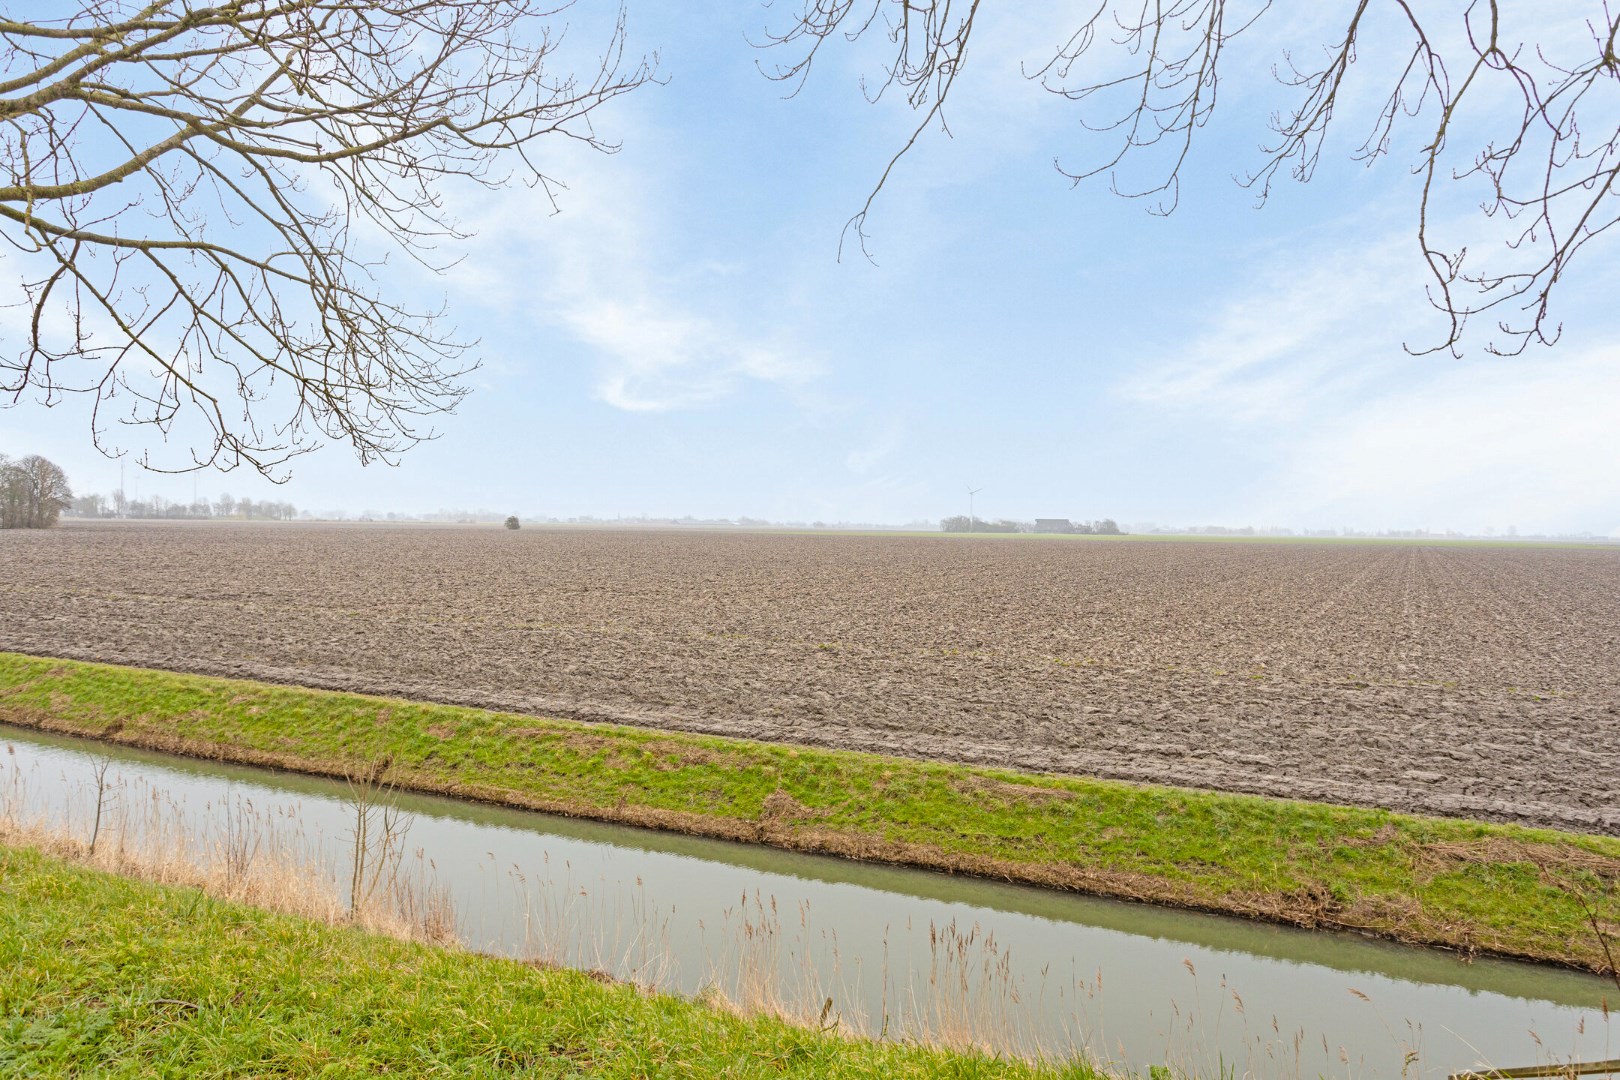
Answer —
(886, 951)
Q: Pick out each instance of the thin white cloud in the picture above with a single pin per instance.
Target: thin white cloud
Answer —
(1308, 328)
(1307, 367)
(1488, 443)
(864, 460)
(667, 331)
(657, 358)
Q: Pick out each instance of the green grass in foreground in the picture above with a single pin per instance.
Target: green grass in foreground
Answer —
(1469, 885)
(114, 977)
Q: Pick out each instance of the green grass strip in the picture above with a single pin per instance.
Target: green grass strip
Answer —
(1468, 885)
(111, 977)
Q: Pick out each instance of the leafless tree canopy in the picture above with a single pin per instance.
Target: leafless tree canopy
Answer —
(185, 187)
(33, 492)
(1537, 128)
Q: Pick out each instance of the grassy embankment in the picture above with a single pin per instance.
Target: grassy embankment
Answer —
(103, 975)
(1467, 885)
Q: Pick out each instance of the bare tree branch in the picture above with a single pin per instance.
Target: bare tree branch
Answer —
(930, 46)
(1549, 164)
(182, 181)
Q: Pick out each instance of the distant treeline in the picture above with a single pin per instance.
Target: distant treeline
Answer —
(226, 506)
(961, 523)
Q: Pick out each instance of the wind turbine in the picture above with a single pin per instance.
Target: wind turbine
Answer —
(972, 491)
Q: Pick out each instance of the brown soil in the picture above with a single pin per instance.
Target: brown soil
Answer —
(1478, 681)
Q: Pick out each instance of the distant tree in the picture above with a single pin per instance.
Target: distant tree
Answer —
(11, 494)
(512, 522)
(159, 507)
(1105, 527)
(33, 493)
(961, 523)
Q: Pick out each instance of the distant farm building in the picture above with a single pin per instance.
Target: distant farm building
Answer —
(1054, 525)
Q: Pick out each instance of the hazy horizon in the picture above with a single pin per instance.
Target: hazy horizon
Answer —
(680, 337)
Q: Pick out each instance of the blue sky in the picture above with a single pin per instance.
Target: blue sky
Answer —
(682, 339)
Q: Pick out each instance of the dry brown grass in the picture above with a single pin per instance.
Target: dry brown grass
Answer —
(250, 861)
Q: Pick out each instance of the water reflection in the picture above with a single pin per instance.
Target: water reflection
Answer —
(882, 950)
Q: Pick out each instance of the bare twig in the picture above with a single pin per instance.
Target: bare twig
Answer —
(99, 768)
(377, 839)
(1549, 162)
(187, 185)
(1590, 911)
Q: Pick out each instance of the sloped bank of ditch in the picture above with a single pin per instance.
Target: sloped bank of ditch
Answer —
(1476, 887)
(102, 973)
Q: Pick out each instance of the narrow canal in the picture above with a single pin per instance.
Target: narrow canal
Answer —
(899, 953)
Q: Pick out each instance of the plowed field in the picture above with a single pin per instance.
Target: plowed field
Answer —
(1473, 681)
